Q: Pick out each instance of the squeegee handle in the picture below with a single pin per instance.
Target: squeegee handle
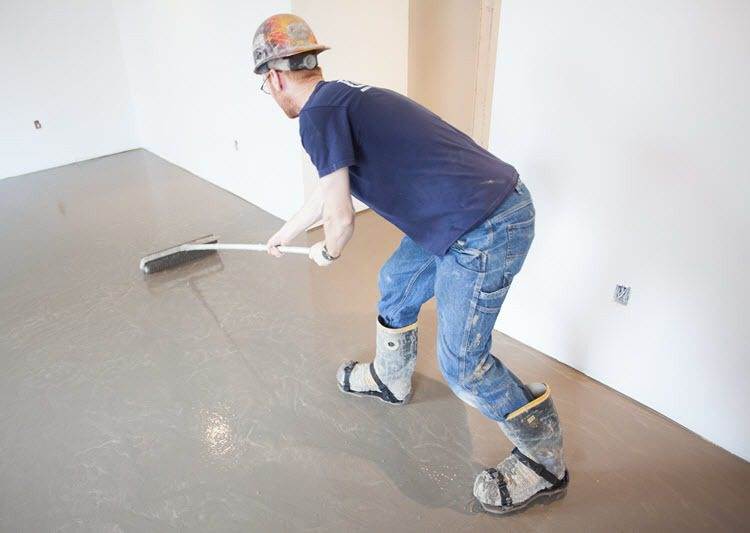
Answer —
(292, 249)
(246, 247)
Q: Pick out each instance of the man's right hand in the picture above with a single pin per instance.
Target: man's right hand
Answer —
(278, 239)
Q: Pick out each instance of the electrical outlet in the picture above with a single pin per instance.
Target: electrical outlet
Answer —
(622, 294)
(37, 125)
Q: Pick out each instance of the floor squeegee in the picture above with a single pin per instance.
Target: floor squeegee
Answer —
(201, 247)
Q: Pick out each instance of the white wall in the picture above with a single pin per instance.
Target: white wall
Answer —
(61, 64)
(371, 47)
(175, 77)
(630, 123)
(190, 67)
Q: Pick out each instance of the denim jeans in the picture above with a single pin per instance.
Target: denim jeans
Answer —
(470, 283)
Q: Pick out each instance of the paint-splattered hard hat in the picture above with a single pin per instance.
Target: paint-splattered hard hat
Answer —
(282, 36)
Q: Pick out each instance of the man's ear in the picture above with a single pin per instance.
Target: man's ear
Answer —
(276, 80)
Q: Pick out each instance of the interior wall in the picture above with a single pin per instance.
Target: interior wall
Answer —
(176, 78)
(62, 65)
(443, 47)
(452, 49)
(190, 68)
(369, 44)
(629, 122)
(368, 40)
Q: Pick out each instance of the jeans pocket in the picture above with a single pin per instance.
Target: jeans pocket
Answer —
(469, 258)
(482, 321)
(491, 302)
(520, 237)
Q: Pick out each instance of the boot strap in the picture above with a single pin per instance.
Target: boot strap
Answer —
(538, 469)
(348, 374)
(505, 499)
(384, 390)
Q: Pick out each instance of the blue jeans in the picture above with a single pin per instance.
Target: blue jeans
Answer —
(470, 283)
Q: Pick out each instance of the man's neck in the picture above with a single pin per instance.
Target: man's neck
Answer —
(302, 95)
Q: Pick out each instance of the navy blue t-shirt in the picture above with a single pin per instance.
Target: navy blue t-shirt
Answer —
(417, 171)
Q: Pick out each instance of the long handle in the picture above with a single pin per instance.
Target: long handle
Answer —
(246, 247)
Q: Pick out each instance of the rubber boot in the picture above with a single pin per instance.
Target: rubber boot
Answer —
(388, 377)
(535, 468)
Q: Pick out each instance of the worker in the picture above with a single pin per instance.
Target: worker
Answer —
(468, 222)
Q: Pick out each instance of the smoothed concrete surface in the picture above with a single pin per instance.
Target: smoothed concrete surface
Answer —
(204, 398)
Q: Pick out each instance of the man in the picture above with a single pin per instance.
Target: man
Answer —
(469, 223)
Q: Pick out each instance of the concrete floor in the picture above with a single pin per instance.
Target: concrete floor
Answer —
(204, 398)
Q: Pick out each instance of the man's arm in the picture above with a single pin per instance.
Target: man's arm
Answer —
(309, 214)
(338, 211)
(330, 199)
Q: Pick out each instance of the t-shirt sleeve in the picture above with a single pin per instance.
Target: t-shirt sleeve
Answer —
(327, 138)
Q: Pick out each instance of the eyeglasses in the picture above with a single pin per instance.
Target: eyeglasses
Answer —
(263, 85)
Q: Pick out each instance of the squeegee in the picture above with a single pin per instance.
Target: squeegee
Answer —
(201, 247)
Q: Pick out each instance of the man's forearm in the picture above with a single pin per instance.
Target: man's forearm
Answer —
(309, 214)
(338, 232)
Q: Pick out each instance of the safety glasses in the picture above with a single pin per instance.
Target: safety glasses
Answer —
(263, 85)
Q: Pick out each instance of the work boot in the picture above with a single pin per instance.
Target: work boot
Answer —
(388, 377)
(535, 468)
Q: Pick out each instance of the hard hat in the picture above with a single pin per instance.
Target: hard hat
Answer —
(282, 36)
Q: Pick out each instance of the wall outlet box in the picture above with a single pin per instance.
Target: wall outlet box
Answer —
(622, 294)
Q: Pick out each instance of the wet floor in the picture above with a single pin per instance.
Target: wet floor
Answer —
(204, 398)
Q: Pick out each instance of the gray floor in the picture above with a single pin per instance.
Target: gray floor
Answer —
(204, 398)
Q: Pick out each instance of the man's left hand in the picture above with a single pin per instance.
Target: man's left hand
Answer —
(316, 254)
